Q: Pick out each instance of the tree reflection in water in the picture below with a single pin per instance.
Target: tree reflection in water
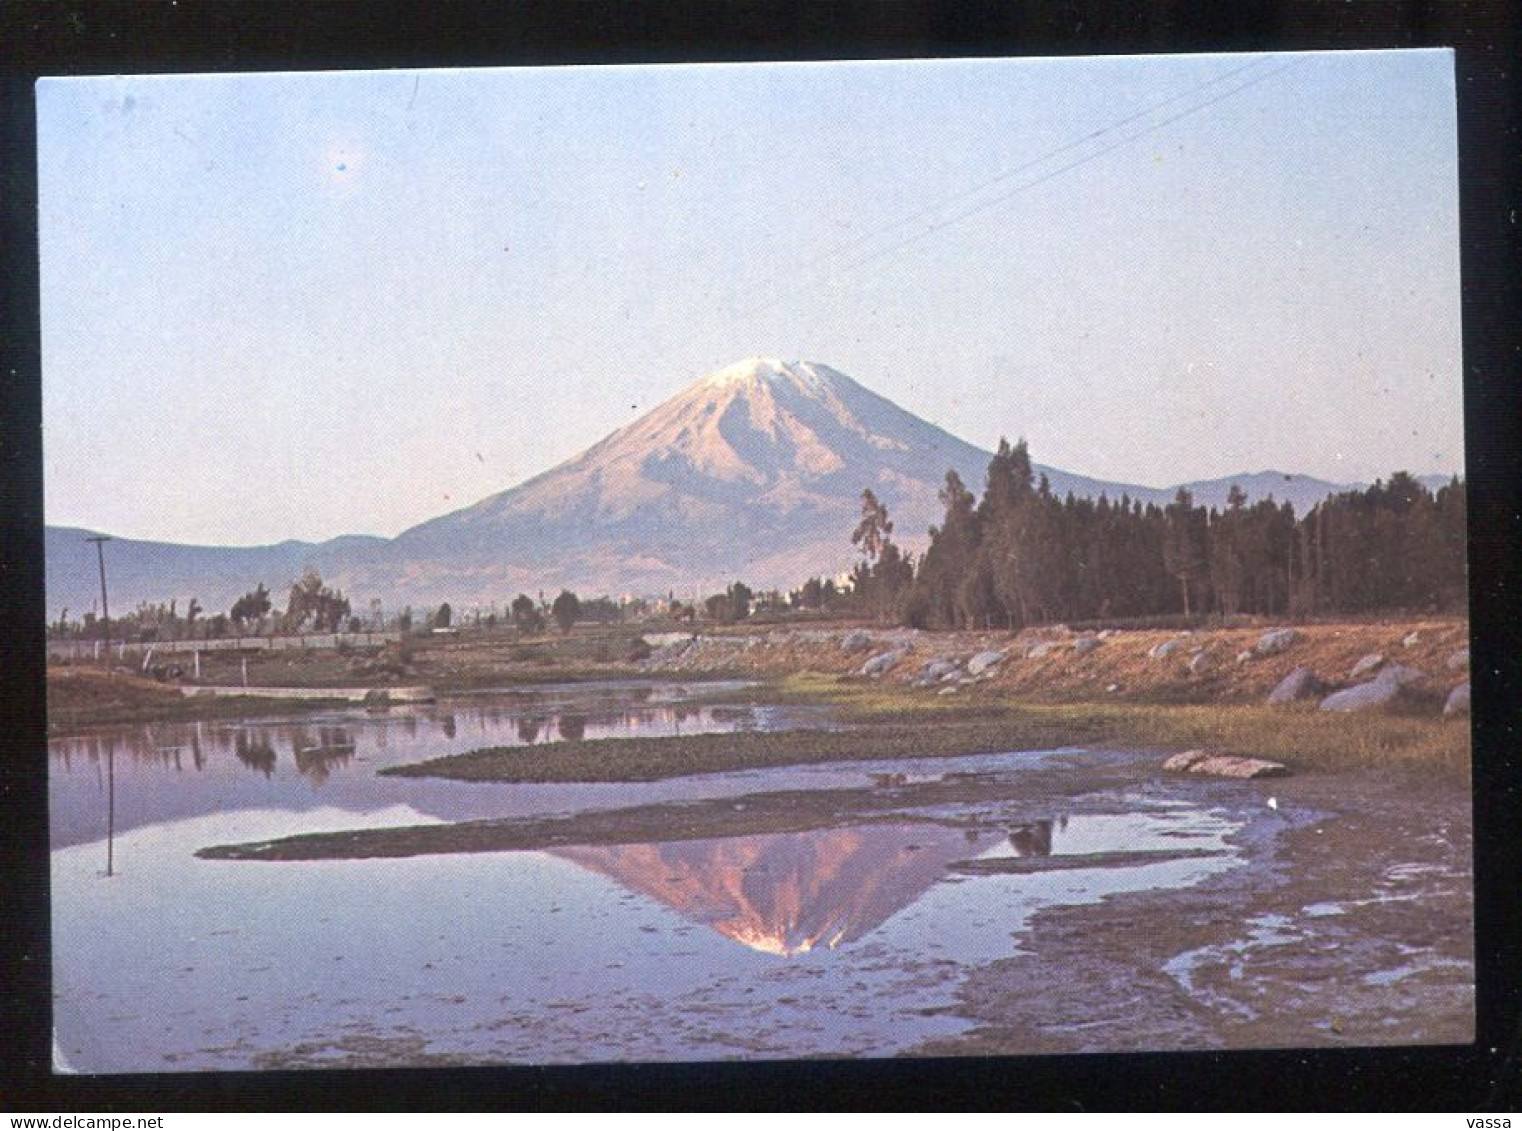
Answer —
(1034, 839)
(254, 751)
(317, 758)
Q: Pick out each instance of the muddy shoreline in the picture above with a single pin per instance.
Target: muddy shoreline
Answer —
(1349, 924)
(1347, 921)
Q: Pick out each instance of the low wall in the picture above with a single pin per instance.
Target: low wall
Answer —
(92, 649)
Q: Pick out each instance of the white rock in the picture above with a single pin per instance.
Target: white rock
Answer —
(984, 661)
(881, 664)
(1366, 665)
(855, 641)
(1299, 684)
(1276, 640)
(1229, 766)
(1184, 759)
(938, 669)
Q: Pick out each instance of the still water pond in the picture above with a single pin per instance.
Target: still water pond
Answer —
(848, 940)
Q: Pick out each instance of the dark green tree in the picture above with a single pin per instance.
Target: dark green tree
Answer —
(1184, 543)
(565, 610)
(526, 615)
(250, 607)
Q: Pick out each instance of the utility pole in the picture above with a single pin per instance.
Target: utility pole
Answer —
(100, 541)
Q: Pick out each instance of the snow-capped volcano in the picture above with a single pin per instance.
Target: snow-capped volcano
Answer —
(753, 471)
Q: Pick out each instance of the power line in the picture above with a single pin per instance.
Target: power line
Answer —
(1024, 166)
(863, 241)
(985, 205)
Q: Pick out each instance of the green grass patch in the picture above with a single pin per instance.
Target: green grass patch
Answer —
(889, 722)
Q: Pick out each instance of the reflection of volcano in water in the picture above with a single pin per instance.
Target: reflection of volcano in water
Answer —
(785, 893)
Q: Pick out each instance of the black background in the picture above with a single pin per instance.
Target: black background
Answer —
(39, 38)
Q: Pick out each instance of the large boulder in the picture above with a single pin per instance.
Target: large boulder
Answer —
(1165, 649)
(1199, 661)
(1041, 649)
(1184, 759)
(1276, 640)
(1230, 766)
(1366, 665)
(1302, 683)
(1223, 765)
(983, 661)
(881, 664)
(1458, 700)
(1381, 691)
(1086, 644)
(855, 641)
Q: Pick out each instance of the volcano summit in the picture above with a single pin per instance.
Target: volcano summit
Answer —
(754, 472)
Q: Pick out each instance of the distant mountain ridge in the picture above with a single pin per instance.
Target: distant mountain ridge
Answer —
(753, 472)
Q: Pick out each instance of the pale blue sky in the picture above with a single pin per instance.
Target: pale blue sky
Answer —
(291, 305)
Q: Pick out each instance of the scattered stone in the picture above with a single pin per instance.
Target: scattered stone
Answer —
(1243, 657)
(1459, 661)
(1165, 649)
(1199, 662)
(1276, 640)
(1184, 759)
(1302, 683)
(855, 641)
(1458, 700)
(1114, 687)
(1230, 766)
(1366, 665)
(949, 689)
(983, 662)
(1085, 644)
(1411, 640)
(1041, 650)
(881, 664)
(938, 669)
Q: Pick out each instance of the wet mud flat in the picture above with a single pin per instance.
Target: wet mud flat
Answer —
(1063, 901)
(1349, 922)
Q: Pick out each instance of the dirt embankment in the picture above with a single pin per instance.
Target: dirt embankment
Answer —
(1061, 666)
(80, 697)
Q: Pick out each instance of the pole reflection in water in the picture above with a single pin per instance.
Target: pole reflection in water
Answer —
(110, 804)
